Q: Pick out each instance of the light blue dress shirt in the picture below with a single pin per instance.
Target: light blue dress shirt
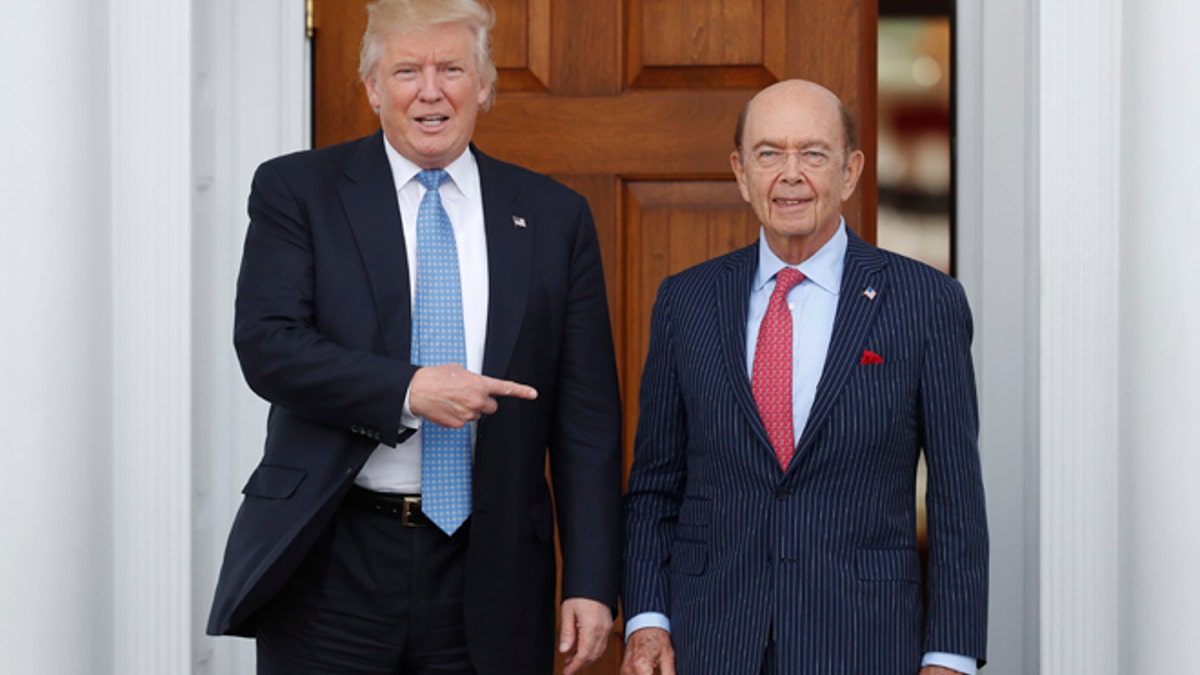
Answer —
(813, 303)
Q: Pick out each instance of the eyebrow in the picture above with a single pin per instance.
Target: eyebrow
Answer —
(804, 145)
(418, 62)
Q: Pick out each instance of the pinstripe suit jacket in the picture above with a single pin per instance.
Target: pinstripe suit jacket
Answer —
(823, 554)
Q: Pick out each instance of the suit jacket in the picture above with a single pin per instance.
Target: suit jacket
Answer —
(824, 554)
(322, 332)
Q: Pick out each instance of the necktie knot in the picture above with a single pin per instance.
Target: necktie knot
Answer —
(432, 179)
(787, 279)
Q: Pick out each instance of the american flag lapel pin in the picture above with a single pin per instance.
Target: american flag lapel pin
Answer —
(870, 293)
(518, 222)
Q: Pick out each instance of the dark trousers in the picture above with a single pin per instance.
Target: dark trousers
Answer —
(372, 598)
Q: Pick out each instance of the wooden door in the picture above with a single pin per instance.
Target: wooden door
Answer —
(633, 103)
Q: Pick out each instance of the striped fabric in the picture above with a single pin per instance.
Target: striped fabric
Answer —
(824, 554)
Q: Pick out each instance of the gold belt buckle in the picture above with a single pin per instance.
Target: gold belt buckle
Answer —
(411, 503)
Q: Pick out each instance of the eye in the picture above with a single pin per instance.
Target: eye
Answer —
(815, 157)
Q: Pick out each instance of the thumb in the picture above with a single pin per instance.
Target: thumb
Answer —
(566, 634)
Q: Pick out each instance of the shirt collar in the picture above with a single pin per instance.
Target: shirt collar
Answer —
(824, 268)
(464, 172)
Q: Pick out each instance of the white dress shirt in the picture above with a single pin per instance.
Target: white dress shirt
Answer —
(398, 469)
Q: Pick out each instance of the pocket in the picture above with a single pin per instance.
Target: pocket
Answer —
(888, 565)
(694, 516)
(273, 482)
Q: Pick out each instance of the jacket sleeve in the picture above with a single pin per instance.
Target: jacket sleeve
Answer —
(285, 357)
(585, 443)
(957, 580)
(656, 480)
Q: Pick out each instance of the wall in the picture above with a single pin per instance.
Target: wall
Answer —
(1159, 166)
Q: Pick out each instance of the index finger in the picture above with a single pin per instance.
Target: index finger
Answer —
(508, 388)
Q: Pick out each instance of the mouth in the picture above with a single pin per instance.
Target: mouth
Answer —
(432, 122)
(790, 203)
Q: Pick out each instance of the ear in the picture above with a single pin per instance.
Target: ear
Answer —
(739, 172)
(484, 91)
(854, 169)
(372, 91)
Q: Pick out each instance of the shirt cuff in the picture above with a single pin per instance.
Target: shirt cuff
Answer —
(647, 620)
(407, 419)
(963, 664)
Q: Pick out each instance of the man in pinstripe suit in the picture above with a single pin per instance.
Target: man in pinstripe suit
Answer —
(745, 556)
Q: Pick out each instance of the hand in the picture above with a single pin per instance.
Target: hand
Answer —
(452, 396)
(647, 649)
(938, 670)
(585, 627)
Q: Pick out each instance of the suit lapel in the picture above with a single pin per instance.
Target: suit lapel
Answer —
(856, 314)
(732, 305)
(509, 252)
(368, 194)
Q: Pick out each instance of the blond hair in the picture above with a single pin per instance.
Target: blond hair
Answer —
(389, 16)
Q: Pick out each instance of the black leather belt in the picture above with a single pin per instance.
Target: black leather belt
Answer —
(405, 508)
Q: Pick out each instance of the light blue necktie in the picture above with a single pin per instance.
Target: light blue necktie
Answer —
(437, 338)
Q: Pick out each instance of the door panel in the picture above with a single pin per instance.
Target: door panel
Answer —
(671, 225)
(633, 104)
(679, 45)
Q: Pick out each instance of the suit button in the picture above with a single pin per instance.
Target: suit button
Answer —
(782, 494)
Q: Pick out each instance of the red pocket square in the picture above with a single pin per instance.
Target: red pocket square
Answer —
(870, 358)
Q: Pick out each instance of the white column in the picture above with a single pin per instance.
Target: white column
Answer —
(997, 263)
(55, 378)
(1079, 190)
(251, 75)
(152, 299)
(1160, 336)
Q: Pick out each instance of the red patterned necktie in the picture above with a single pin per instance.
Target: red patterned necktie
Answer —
(772, 377)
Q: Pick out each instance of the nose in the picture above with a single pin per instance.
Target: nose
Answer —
(430, 86)
(791, 172)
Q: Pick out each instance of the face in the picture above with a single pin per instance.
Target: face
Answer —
(793, 167)
(428, 92)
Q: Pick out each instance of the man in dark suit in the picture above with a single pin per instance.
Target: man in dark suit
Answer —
(400, 520)
(789, 390)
